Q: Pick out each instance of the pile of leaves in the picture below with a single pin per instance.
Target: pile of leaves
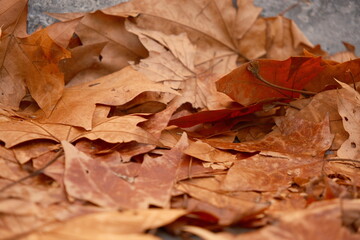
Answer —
(197, 116)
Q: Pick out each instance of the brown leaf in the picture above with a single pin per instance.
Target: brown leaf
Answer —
(317, 108)
(114, 130)
(114, 89)
(347, 72)
(88, 179)
(176, 68)
(244, 86)
(344, 56)
(253, 43)
(13, 17)
(40, 54)
(221, 201)
(293, 138)
(319, 221)
(62, 32)
(207, 153)
(84, 65)
(118, 130)
(130, 224)
(349, 106)
(121, 46)
(284, 38)
(33, 149)
(263, 173)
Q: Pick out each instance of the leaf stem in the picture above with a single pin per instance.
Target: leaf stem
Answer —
(35, 173)
(253, 67)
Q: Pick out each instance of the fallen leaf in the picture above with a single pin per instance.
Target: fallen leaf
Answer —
(293, 138)
(223, 202)
(207, 153)
(284, 38)
(347, 72)
(317, 108)
(319, 221)
(349, 105)
(42, 76)
(121, 46)
(114, 89)
(84, 65)
(62, 32)
(130, 224)
(243, 86)
(13, 17)
(176, 68)
(344, 56)
(263, 173)
(124, 192)
(113, 130)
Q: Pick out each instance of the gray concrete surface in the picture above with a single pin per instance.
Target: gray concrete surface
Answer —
(325, 22)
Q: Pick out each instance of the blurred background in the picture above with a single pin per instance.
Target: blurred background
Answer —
(324, 22)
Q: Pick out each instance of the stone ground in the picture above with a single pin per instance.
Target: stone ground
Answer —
(325, 22)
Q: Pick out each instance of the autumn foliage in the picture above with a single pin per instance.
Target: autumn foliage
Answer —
(197, 117)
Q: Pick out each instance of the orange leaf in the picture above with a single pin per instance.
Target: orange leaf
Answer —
(77, 104)
(293, 73)
(111, 187)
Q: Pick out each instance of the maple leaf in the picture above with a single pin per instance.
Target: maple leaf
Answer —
(129, 224)
(244, 86)
(176, 68)
(262, 173)
(42, 76)
(348, 105)
(329, 213)
(216, 28)
(347, 72)
(149, 186)
(121, 129)
(120, 45)
(292, 138)
(84, 65)
(77, 104)
(113, 130)
(221, 201)
(323, 219)
(62, 32)
(13, 17)
(317, 108)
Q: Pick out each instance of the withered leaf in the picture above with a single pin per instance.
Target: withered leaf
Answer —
(130, 224)
(223, 201)
(114, 130)
(243, 85)
(77, 104)
(319, 221)
(263, 173)
(40, 54)
(293, 137)
(99, 183)
(348, 102)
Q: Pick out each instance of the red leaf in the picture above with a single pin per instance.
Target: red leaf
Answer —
(213, 116)
(293, 73)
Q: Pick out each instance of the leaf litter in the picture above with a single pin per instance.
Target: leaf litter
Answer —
(195, 117)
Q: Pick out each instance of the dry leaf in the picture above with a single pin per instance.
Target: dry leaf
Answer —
(349, 105)
(243, 85)
(293, 138)
(114, 89)
(88, 179)
(112, 225)
(320, 221)
(263, 173)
